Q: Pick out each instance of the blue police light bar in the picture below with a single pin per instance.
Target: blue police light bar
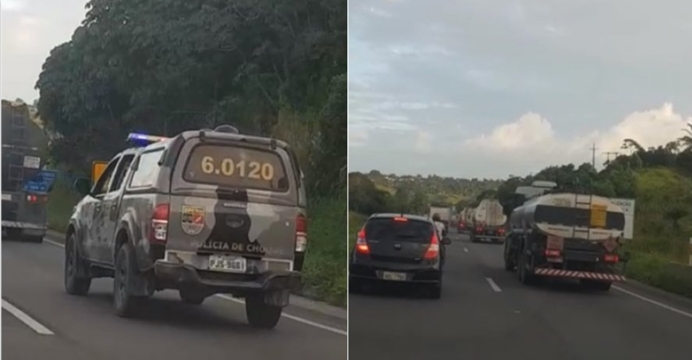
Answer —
(144, 139)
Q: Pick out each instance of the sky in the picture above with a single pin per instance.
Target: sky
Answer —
(492, 88)
(30, 29)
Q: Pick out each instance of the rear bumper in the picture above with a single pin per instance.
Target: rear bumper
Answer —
(171, 275)
(585, 275)
(373, 270)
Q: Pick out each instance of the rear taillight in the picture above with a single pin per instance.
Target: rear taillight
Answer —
(361, 245)
(552, 253)
(479, 229)
(611, 258)
(301, 233)
(433, 249)
(501, 231)
(36, 199)
(159, 224)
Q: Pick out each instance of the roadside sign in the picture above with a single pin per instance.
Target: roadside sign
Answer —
(41, 183)
(627, 206)
(32, 162)
(97, 168)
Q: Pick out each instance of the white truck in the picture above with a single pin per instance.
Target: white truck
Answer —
(488, 222)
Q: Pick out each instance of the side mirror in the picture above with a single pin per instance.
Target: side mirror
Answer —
(83, 186)
(446, 240)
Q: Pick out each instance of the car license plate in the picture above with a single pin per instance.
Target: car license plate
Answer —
(395, 276)
(227, 263)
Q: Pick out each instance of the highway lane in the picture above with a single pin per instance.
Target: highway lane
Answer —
(485, 313)
(86, 327)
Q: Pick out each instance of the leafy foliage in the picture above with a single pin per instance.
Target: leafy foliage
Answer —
(164, 66)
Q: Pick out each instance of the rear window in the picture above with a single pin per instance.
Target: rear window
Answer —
(389, 229)
(236, 167)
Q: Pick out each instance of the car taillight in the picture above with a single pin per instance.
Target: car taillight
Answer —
(433, 248)
(301, 233)
(552, 253)
(361, 245)
(159, 224)
(611, 258)
(501, 231)
(35, 199)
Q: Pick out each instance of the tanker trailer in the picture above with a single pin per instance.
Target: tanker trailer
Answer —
(488, 222)
(566, 235)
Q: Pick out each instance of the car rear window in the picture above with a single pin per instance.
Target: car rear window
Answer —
(389, 229)
(236, 167)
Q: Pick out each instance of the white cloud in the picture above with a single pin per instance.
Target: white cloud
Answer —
(12, 5)
(532, 137)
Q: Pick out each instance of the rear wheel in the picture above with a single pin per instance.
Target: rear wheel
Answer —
(509, 261)
(191, 297)
(76, 283)
(33, 238)
(261, 315)
(526, 276)
(355, 285)
(597, 285)
(125, 271)
(435, 291)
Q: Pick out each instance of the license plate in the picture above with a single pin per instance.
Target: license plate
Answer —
(7, 197)
(227, 263)
(395, 276)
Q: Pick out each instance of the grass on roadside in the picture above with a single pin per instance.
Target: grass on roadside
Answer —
(656, 270)
(61, 201)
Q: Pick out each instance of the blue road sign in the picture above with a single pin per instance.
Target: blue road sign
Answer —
(41, 183)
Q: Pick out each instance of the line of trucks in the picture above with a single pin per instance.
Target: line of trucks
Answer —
(554, 235)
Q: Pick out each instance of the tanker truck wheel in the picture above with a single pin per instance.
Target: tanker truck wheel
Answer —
(509, 261)
(526, 276)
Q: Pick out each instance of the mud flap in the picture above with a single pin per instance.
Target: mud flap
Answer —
(277, 297)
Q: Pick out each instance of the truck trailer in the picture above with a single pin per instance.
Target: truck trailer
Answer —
(566, 235)
(488, 222)
(25, 185)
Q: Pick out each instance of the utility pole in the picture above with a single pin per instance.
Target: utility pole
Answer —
(608, 153)
(593, 156)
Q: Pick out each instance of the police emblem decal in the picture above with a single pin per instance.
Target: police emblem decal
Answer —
(192, 219)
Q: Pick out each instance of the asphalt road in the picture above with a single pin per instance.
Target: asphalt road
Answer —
(40, 321)
(486, 314)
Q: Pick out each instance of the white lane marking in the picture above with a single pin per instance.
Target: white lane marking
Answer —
(493, 285)
(654, 302)
(239, 301)
(26, 319)
(466, 250)
(54, 243)
(294, 318)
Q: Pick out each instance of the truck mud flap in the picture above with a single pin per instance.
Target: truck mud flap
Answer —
(579, 274)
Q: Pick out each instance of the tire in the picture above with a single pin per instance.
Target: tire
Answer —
(509, 263)
(355, 285)
(525, 276)
(191, 297)
(74, 269)
(125, 304)
(261, 315)
(597, 285)
(436, 291)
(33, 238)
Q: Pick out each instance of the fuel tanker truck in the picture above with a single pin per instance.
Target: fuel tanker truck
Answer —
(566, 235)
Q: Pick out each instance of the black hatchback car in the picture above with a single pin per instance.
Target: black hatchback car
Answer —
(398, 248)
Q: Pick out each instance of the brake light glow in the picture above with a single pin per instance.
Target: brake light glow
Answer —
(400, 219)
(301, 233)
(552, 253)
(501, 231)
(159, 224)
(361, 245)
(434, 248)
(34, 198)
(611, 258)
